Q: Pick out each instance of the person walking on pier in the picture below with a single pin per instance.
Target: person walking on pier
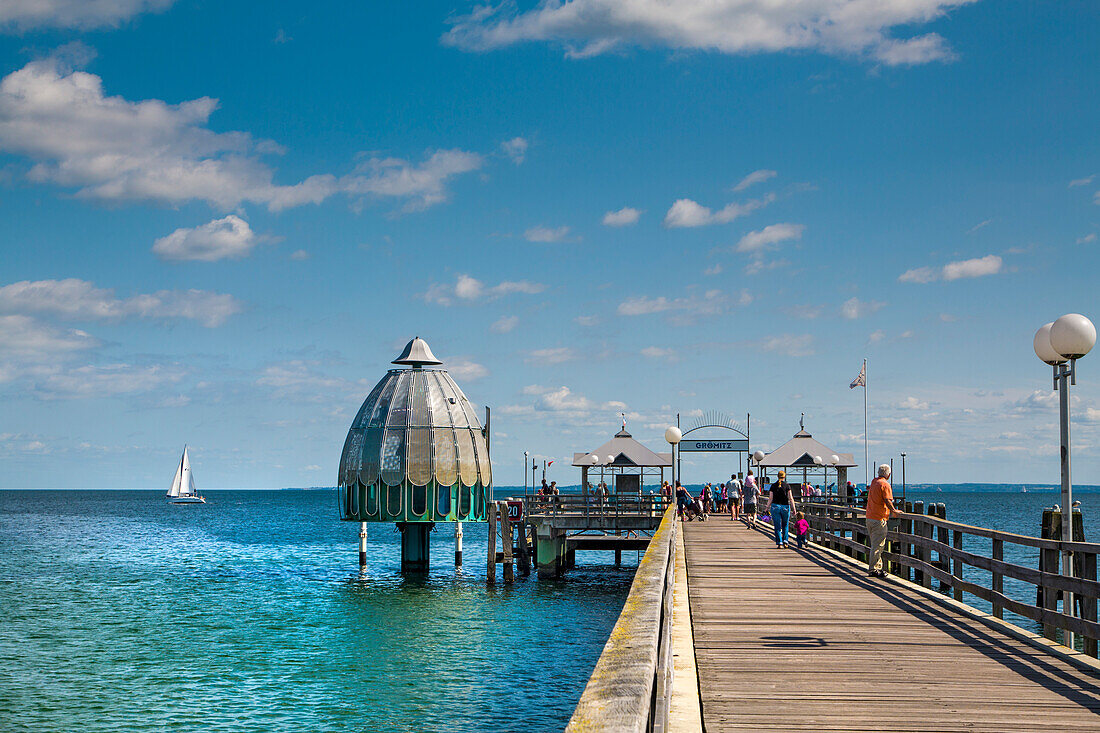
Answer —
(880, 507)
(780, 501)
(801, 530)
(733, 492)
(749, 495)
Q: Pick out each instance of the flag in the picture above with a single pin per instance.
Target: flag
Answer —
(861, 380)
(624, 419)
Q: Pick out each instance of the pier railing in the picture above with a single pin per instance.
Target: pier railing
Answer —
(932, 548)
(631, 687)
(651, 505)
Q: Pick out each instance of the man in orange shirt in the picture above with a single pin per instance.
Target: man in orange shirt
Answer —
(880, 507)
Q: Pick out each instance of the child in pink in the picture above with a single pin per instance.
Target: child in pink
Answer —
(801, 529)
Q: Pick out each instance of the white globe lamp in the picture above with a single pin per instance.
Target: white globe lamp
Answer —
(1043, 348)
(673, 435)
(1072, 336)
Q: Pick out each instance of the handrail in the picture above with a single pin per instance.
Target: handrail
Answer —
(630, 687)
(917, 543)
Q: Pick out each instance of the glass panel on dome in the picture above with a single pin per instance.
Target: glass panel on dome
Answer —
(367, 409)
(450, 394)
(372, 499)
(355, 505)
(484, 468)
(382, 406)
(353, 457)
(399, 405)
(420, 464)
(437, 402)
(463, 502)
(443, 445)
(393, 456)
(393, 501)
(372, 453)
(418, 404)
(467, 409)
(419, 500)
(443, 501)
(467, 463)
(479, 502)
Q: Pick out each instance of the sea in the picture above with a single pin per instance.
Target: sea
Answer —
(119, 612)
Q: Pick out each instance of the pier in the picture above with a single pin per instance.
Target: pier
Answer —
(805, 640)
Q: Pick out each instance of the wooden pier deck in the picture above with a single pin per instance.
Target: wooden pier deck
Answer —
(807, 642)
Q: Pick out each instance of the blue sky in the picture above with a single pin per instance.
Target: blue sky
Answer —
(218, 226)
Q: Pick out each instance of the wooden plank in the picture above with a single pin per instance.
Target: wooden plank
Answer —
(789, 640)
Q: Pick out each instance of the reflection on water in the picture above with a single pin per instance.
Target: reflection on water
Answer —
(250, 613)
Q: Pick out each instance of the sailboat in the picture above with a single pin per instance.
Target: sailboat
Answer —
(183, 485)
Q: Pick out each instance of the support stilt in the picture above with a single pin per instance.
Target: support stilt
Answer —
(414, 546)
(458, 544)
(362, 544)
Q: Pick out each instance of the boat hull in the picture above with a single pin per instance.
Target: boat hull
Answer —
(187, 500)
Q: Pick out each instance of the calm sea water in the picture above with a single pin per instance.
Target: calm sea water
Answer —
(120, 612)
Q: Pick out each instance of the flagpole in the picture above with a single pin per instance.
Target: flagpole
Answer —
(866, 464)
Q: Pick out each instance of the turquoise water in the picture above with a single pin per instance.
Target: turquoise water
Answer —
(121, 612)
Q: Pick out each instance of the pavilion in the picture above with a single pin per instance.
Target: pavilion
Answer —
(624, 461)
(803, 452)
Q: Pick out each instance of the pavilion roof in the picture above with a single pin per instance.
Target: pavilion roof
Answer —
(800, 451)
(625, 451)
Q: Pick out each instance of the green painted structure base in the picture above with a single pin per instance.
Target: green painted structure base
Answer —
(550, 551)
(415, 546)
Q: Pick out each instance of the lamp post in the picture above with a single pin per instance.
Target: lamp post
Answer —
(903, 476)
(819, 461)
(758, 456)
(833, 460)
(1066, 340)
(673, 436)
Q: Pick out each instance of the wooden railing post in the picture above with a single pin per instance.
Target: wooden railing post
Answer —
(1088, 602)
(907, 547)
(998, 578)
(957, 564)
(506, 540)
(918, 530)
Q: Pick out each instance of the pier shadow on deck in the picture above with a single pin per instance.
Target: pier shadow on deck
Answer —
(804, 641)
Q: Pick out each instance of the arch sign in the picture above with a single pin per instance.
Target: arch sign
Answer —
(740, 445)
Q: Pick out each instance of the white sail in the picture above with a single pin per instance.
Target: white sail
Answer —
(187, 481)
(177, 482)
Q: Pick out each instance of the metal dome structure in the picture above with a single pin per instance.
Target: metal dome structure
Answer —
(416, 452)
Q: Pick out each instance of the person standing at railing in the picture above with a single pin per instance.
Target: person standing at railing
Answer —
(880, 507)
(780, 501)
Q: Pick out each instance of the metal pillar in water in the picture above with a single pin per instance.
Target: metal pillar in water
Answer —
(458, 544)
(414, 546)
(362, 544)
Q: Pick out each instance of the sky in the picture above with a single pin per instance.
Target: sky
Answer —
(220, 222)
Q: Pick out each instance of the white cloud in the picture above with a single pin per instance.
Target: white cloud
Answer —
(557, 355)
(621, 218)
(466, 369)
(27, 345)
(769, 236)
(876, 336)
(299, 255)
(470, 289)
(22, 15)
(504, 324)
(713, 301)
(563, 399)
(1090, 237)
(855, 308)
(976, 267)
(114, 149)
(659, 352)
(715, 269)
(593, 27)
(104, 381)
(688, 213)
(1082, 181)
(789, 344)
(515, 149)
(82, 300)
(302, 380)
(758, 265)
(808, 312)
(755, 177)
(546, 234)
(587, 321)
(228, 238)
(912, 403)
(979, 225)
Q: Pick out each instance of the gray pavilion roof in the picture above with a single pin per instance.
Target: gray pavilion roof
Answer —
(800, 451)
(626, 452)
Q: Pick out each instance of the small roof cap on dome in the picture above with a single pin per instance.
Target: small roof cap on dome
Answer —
(416, 353)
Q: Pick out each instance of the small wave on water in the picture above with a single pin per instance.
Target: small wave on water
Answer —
(250, 613)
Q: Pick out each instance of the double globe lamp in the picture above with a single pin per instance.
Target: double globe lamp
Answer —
(1061, 344)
